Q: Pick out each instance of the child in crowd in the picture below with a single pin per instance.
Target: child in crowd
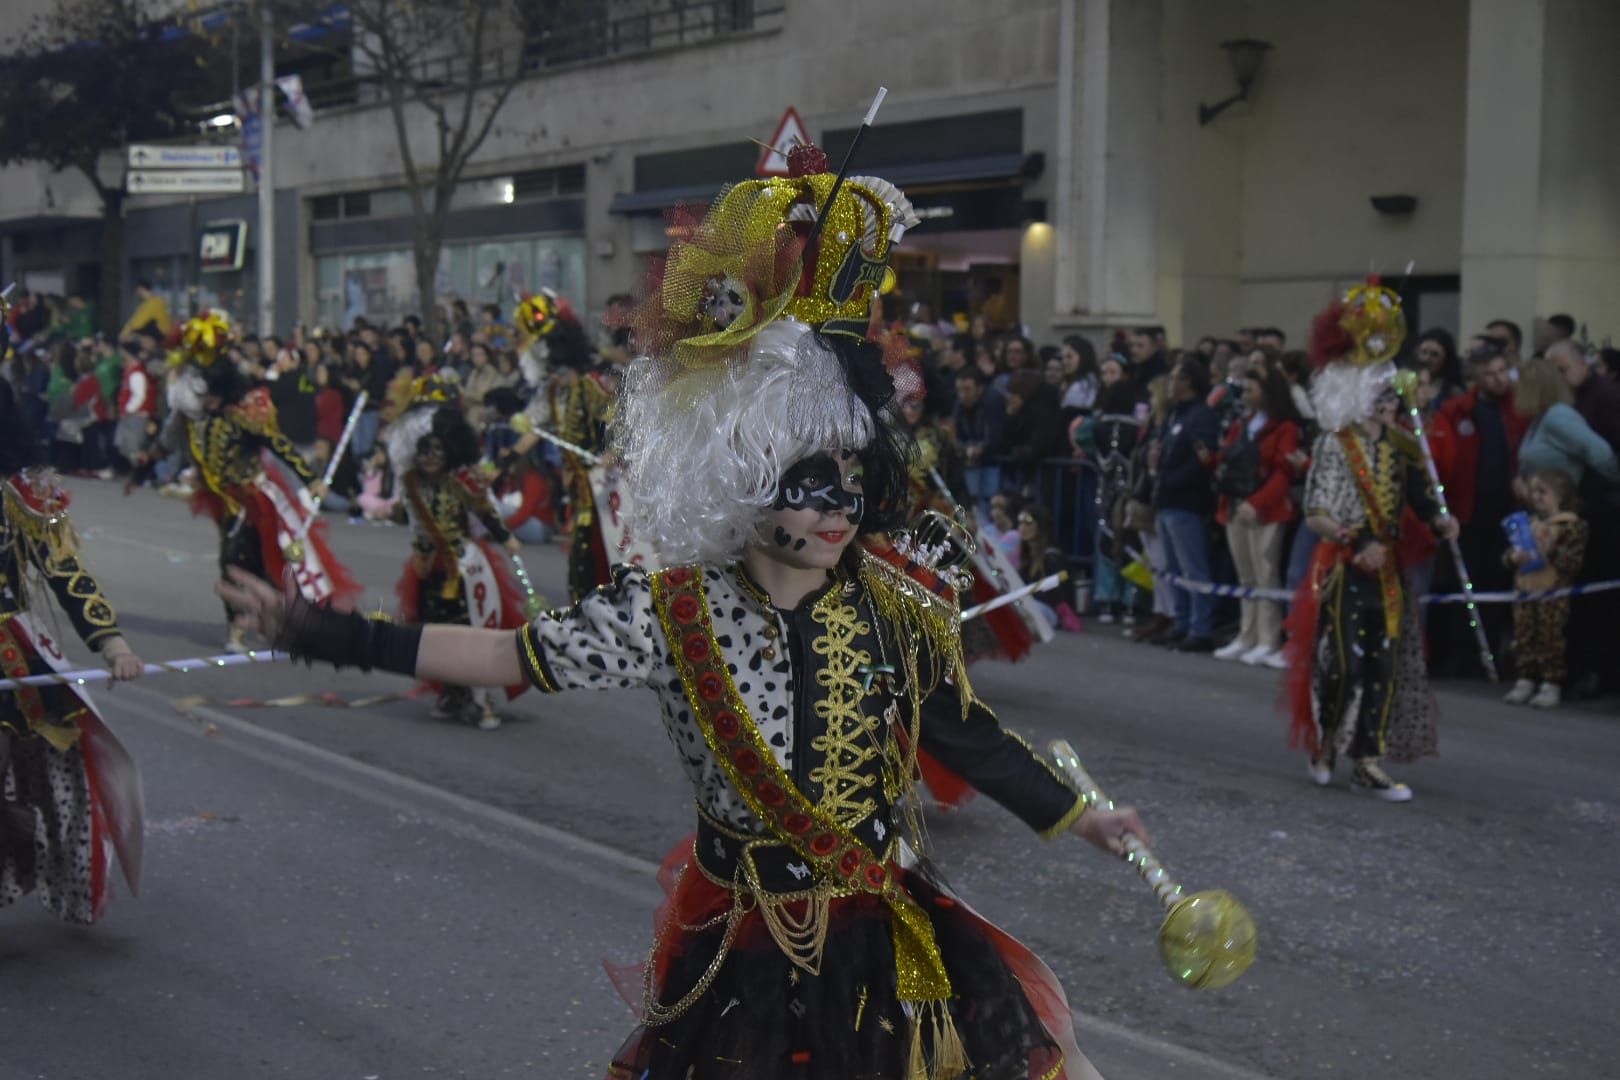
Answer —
(377, 498)
(1548, 558)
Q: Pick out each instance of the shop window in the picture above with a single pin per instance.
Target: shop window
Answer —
(357, 204)
(326, 207)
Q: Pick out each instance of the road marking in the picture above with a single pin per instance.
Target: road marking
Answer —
(638, 887)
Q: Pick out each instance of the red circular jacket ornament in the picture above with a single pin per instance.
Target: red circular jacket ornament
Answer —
(696, 647)
(747, 760)
(823, 844)
(771, 795)
(678, 577)
(711, 687)
(685, 608)
(850, 862)
(875, 876)
(727, 724)
(797, 824)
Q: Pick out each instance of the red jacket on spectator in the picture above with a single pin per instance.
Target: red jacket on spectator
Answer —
(1464, 475)
(1277, 440)
(135, 396)
(536, 500)
(87, 395)
(1441, 432)
(330, 415)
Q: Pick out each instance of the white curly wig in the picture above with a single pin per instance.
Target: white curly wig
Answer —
(704, 451)
(1343, 393)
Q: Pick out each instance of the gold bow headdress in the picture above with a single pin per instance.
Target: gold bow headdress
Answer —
(204, 338)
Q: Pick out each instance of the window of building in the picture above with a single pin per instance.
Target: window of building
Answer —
(381, 285)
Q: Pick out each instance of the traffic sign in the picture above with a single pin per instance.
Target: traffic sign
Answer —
(790, 132)
(183, 181)
(184, 157)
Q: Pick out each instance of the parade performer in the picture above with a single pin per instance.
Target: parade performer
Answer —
(253, 480)
(454, 575)
(1357, 682)
(937, 486)
(797, 676)
(70, 797)
(572, 402)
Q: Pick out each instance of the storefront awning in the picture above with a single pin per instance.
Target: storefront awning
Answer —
(929, 174)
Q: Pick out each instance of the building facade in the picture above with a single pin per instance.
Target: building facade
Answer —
(1054, 148)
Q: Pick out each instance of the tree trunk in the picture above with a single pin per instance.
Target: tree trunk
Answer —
(428, 246)
(112, 259)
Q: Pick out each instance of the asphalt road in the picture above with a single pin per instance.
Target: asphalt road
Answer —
(355, 893)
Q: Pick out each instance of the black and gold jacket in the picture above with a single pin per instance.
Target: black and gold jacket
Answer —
(442, 510)
(227, 446)
(842, 690)
(36, 534)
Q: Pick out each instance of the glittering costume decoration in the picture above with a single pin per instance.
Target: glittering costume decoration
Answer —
(457, 572)
(253, 479)
(70, 797)
(1356, 679)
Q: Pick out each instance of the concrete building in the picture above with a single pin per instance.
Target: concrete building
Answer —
(1054, 147)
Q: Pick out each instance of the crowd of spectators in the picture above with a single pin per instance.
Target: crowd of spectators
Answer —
(1144, 463)
(1131, 465)
(99, 403)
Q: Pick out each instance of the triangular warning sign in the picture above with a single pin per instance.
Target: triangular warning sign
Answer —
(790, 132)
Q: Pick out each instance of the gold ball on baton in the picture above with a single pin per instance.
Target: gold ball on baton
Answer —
(293, 551)
(1207, 940)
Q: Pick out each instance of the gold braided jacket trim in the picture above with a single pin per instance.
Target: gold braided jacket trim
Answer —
(919, 969)
(50, 542)
(904, 602)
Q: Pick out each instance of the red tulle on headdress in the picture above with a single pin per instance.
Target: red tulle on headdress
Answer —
(1329, 340)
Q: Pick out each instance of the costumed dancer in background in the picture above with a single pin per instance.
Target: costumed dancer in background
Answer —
(1001, 634)
(574, 403)
(1357, 682)
(253, 482)
(454, 574)
(70, 796)
(796, 674)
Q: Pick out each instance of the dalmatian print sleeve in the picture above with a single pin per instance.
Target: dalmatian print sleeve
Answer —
(610, 640)
(1330, 489)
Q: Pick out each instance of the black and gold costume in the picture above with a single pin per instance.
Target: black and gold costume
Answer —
(58, 816)
(442, 510)
(1368, 694)
(256, 511)
(579, 412)
(801, 929)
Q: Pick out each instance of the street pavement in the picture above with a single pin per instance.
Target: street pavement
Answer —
(357, 893)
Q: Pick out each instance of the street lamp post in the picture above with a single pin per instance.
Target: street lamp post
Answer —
(267, 185)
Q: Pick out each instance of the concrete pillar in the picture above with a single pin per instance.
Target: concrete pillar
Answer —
(1541, 208)
(1106, 194)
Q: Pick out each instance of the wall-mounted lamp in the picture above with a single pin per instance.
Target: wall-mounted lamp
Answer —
(1394, 204)
(1245, 56)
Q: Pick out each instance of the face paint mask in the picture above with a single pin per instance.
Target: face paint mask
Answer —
(824, 484)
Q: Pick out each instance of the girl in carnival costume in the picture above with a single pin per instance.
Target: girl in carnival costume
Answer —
(454, 575)
(574, 403)
(70, 796)
(1356, 676)
(797, 676)
(255, 484)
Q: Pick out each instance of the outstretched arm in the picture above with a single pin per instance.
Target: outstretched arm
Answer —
(606, 641)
